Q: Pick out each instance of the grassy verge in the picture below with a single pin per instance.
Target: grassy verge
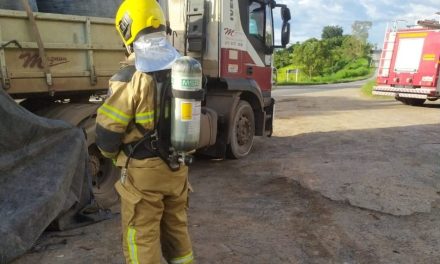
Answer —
(367, 88)
(316, 81)
(284, 77)
(354, 71)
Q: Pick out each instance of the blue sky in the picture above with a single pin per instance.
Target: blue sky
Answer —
(310, 16)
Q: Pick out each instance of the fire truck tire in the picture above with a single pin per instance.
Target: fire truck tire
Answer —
(415, 102)
(243, 131)
(402, 100)
(411, 101)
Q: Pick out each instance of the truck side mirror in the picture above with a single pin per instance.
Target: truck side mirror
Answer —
(285, 29)
(285, 34)
(285, 14)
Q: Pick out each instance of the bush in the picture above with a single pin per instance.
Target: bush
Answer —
(367, 88)
(354, 69)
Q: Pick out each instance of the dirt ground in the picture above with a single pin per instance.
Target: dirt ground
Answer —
(344, 179)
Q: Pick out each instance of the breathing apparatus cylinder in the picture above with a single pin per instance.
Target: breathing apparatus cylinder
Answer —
(186, 76)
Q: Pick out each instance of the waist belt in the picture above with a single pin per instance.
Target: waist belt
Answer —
(141, 152)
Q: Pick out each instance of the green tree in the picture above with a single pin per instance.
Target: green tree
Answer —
(329, 32)
(352, 48)
(309, 55)
(283, 57)
(333, 54)
(360, 30)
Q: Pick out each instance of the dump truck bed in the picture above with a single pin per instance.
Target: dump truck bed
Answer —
(82, 53)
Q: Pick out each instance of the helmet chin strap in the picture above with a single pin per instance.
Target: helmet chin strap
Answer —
(129, 49)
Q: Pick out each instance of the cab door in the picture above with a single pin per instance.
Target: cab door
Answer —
(246, 41)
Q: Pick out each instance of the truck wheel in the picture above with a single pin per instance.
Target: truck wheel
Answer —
(415, 102)
(243, 131)
(104, 175)
(101, 170)
(402, 100)
(411, 101)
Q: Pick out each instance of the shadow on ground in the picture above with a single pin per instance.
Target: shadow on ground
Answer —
(305, 106)
(272, 208)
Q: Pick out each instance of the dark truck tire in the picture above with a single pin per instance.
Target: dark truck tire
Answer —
(104, 176)
(243, 131)
(411, 101)
(416, 102)
(102, 172)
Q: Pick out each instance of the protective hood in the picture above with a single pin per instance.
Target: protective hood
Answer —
(154, 53)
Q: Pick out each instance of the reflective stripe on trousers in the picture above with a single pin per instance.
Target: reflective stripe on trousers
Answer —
(132, 247)
(183, 260)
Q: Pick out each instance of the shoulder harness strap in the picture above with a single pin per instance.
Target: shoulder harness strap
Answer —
(153, 140)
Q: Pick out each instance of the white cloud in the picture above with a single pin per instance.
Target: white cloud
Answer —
(371, 9)
(417, 12)
(310, 16)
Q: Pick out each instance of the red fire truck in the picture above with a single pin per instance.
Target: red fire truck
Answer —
(409, 65)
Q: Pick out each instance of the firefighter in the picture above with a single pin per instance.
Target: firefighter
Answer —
(153, 196)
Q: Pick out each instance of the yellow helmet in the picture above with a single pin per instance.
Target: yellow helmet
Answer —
(135, 17)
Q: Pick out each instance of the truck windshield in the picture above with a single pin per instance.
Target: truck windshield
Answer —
(256, 20)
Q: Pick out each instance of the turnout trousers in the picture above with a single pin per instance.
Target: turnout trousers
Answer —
(154, 202)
